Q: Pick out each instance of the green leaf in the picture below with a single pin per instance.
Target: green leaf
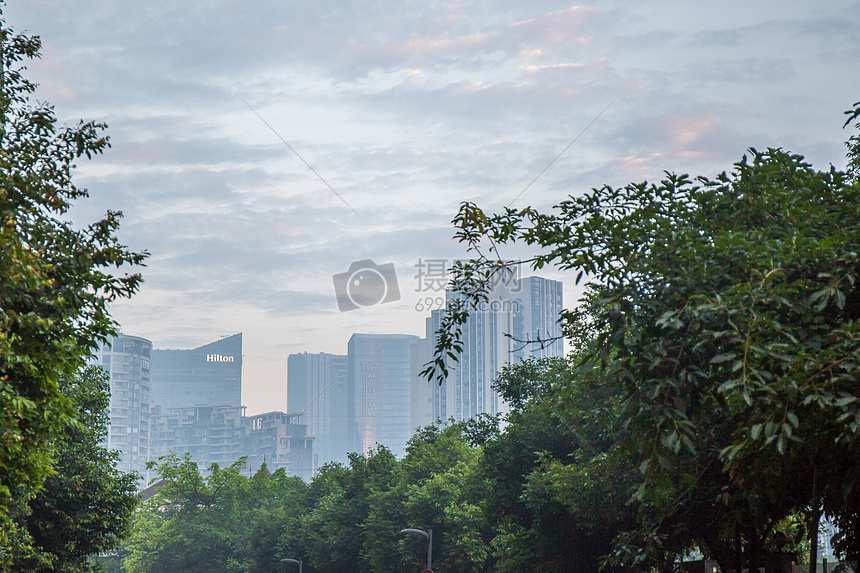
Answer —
(755, 431)
(723, 357)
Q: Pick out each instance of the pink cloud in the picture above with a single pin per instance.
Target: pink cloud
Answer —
(562, 25)
(687, 130)
(531, 52)
(533, 68)
(435, 46)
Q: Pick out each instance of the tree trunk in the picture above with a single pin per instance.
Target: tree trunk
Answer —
(814, 519)
(753, 550)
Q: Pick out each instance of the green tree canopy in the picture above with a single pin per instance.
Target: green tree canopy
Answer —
(85, 508)
(726, 313)
(212, 523)
(55, 280)
(558, 477)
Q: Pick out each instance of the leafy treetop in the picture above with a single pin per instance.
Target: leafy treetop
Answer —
(55, 280)
(726, 312)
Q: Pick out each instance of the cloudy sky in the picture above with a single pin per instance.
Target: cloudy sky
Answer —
(405, 109)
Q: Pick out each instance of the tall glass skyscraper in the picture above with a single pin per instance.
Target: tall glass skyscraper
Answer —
(536, 320)
(505, 330)
(128, 361)
(379, 373)
(207, 375)
(317, 389)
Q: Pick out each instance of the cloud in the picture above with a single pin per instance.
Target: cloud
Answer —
(406, 109)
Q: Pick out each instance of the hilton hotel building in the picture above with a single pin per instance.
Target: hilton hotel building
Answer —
(209, 374)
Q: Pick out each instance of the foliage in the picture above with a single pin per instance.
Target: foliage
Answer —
(203, 524)
(446, 492)
(334, 530)
(558, 477)
(55, 280)
(347, 519)
(725, 315)
(853, 143)
(86, 507)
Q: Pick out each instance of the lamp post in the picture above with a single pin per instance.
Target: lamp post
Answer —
(429, 535)
(296, 561)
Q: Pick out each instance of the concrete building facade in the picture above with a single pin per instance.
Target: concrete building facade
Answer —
(127, 359)
(221, 434)
(279, 439)
(210, 434)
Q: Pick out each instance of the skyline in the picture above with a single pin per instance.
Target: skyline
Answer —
(405, 109)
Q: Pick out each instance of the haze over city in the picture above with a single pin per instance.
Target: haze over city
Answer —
(404, 109)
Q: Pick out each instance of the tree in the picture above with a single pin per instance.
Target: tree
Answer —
(726, 312)
(85, 508)
(559, 477)
(55, 280)
(201, 524)
(853, 143)
(334, 528)
(277, 531)
(445, 490)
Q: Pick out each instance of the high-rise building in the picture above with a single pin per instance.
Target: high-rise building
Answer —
(424, 397)
(317, 389)
(128, 361)
(537, 331)
(207, 375)
(379, 371)
(519, 320)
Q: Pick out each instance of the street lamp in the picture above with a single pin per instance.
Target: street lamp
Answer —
(296, 561)
(429, 535)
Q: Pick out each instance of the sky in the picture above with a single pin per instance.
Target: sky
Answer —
(260, 148)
